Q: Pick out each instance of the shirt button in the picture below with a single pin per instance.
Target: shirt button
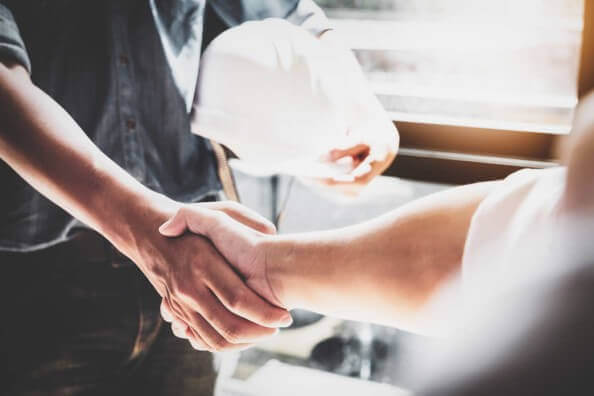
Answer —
(124, 60)
(131, 124)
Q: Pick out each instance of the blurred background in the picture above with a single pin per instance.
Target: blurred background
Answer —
(477, 89)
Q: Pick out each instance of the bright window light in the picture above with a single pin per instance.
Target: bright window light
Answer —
(507, 64)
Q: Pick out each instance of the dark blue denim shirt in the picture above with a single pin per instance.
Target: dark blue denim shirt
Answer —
(103, 61)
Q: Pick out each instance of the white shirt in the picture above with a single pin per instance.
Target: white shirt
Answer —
(512, 230)
(180, 24)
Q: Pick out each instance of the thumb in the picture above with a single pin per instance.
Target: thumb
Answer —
(358, 152)
(175, 226)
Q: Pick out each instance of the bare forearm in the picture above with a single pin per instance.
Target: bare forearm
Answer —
(383, 270)
(45, 146)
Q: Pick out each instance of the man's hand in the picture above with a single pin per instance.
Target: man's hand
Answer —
(237, 233)
(45, 146)
(208, 303)
(374, 137)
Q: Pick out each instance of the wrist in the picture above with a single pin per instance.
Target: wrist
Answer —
(279, 258)
(289, 262)
(133, 228)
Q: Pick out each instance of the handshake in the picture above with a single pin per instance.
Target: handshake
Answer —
(284, 101)
(211, 273)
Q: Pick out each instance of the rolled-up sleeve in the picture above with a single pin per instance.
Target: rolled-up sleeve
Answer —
(11, 43)
(310, 16)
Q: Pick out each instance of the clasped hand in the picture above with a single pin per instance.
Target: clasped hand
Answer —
(205, 299)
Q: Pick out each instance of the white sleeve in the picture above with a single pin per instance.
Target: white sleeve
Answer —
(512, 226)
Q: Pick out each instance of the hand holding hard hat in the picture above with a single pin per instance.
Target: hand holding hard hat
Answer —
(287, 102)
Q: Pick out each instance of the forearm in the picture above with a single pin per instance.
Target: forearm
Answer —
(46, 147)
(383, 270)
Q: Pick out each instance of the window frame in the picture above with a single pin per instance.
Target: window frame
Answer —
(455, 155)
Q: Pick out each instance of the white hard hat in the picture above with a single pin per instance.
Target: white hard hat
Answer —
(268, 92)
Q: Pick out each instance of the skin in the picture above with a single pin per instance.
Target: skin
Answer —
(546, 348)
(45, 146)
(366, 112)
(207, 301)
(368, 161)
(386, 269)
(381, 271)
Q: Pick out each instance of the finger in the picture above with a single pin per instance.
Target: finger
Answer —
(238, 298)
(214, 340)
(179, 315)
(178, 325)
(199, 346)
(222, 280)
(221, 323)
(358, 152)
(364, 168)
(166, 311)
(190, 218)
(196, 341)
(176, 225)
(346, 187)
(179, 330)
(230, 238)
(359, 177)
(233, 328)
(243, 214)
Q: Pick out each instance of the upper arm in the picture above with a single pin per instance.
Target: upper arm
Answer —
(13, 53)
(14, 69)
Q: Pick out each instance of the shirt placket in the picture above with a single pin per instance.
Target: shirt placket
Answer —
(130, 127)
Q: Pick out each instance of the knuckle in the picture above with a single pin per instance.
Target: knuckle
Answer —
(209, 316)
(179, 289)
(269, 317)
(219, 343)
(236, 299)
(228, 204)
(186, 293)
(232, 334)
(218, 215)
(200, 269)
(198, 345)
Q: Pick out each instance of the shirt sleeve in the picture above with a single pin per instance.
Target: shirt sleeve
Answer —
(512, 227)
(11, 43)
(310, 16)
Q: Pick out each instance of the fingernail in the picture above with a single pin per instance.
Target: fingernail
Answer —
(164, 225)
(286, 321)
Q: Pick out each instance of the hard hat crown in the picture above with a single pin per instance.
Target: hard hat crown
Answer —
(266, 90)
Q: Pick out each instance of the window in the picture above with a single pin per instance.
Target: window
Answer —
(505, 65)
